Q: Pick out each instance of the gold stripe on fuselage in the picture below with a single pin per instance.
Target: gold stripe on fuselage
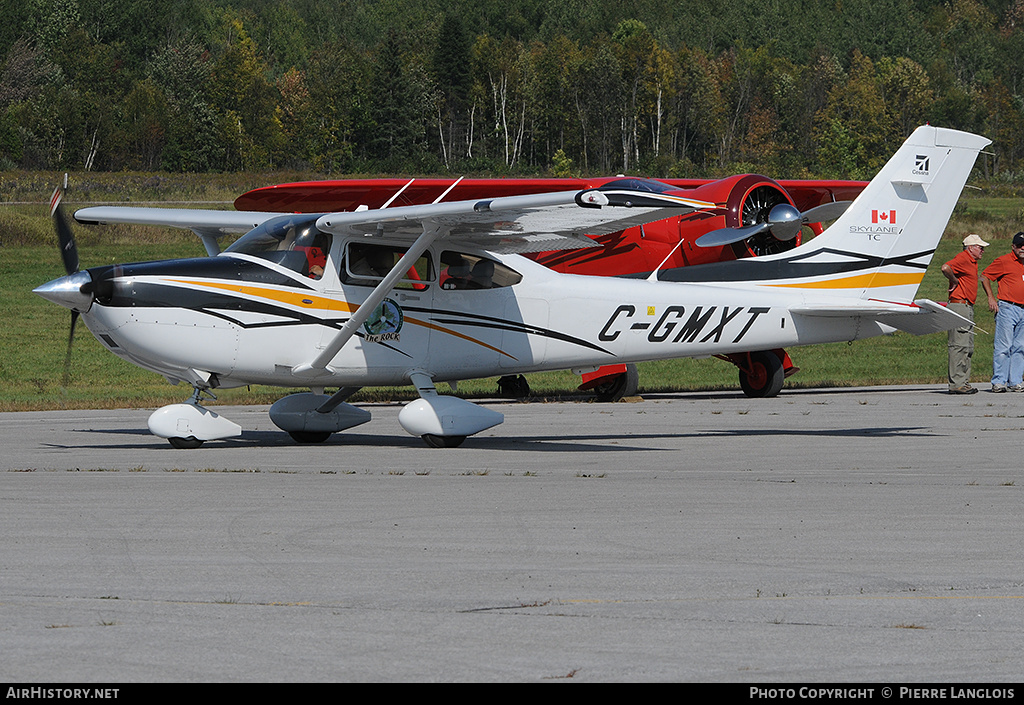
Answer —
(307, 300)
(861, 281)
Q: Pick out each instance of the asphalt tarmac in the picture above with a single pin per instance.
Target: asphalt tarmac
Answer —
(868, 535)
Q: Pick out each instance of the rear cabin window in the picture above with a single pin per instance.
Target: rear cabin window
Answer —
(463, 271)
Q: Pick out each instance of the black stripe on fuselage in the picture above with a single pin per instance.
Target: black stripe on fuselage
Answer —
(756, 269)
(472, 320)
(231, 269)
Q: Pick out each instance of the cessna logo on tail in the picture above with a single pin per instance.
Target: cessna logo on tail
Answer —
(921, 164)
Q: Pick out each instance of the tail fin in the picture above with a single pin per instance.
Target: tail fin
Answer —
(881, 246)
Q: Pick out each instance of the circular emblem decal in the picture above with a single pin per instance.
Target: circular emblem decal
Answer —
(385, 322)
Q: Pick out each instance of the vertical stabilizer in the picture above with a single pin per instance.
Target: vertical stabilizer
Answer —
(882, 245)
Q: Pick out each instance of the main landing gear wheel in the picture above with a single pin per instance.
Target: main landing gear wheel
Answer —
(619, 386)
(435, 441)
(764, 376)
(309, 436)
(189, 443)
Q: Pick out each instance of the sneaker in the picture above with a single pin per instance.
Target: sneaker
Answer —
(998, 388)
(968, 389)
(1016, 388)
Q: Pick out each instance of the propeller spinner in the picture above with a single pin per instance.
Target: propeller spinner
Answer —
(784, 223)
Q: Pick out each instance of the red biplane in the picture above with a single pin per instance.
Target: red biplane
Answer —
(754, 215)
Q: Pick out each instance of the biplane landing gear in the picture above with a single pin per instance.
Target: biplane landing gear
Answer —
(761, 374)
(613, 382)
(513, 387)
(619, 387)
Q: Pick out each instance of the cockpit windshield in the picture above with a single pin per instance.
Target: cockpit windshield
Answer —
(635, 184)
(292, 241)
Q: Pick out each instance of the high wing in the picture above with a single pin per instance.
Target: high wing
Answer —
(209, 225)
(518, 224)
(527, 223)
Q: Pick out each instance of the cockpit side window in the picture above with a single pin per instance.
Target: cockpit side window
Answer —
(365, 265)
(291, 241)
(465, 271)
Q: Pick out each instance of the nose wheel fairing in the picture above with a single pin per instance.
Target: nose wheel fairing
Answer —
(188, 425)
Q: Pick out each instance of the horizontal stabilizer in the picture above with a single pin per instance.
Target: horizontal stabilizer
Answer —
(922, 317)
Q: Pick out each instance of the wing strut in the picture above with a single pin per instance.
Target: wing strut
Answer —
(448, 190)
(319, 365)
(397, 194)
(654, 275)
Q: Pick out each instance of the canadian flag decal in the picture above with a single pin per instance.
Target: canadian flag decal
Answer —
(883, 217)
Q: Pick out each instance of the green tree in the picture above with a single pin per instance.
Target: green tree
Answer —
(505, 72)
(396, 112)
(451, 73)
(338, 82)
(701, 111)
(140, 136)
(49, 23)
(557, 92)
(183, 73)
(246, 102)
(907, 93)
(856, 110)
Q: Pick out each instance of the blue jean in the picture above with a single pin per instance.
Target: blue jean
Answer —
(1008, 345)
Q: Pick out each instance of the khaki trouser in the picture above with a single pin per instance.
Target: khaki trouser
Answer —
(961, 348)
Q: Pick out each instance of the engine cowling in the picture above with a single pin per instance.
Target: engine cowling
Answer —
(748, 199)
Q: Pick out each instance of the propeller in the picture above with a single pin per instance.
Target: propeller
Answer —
(67, 291)
(784, 223)
(65, 238)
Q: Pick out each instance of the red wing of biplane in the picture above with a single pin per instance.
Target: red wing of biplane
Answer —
(754, 215)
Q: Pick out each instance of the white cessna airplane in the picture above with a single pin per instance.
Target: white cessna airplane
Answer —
(436, 293)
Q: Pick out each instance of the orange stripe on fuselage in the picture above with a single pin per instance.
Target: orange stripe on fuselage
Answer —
(291, 298)
(308, 300)
(862, 281)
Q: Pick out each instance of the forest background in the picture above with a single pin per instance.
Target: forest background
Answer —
(664, 88)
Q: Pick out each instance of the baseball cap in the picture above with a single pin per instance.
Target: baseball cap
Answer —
(973, 239)
(1018, 240)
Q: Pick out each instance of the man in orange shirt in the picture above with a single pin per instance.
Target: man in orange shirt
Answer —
(1007, 302)
(962, 273)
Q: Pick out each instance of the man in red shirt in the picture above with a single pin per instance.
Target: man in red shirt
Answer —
(962, 273)
(1007, 302)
